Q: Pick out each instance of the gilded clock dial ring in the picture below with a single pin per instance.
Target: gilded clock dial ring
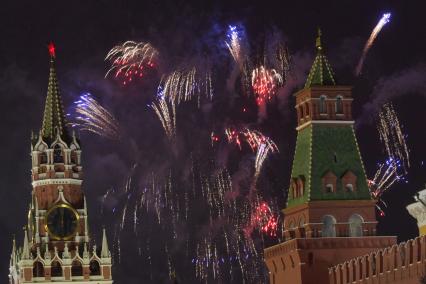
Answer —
(62, 221)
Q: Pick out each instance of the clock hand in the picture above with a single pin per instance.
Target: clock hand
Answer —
(62, 219)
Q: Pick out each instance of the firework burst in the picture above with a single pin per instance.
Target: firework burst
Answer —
(265, 83)
(383, 21)
(92, 117)
(131, 59)
(259, 143)
(263, 219)
(386, 175)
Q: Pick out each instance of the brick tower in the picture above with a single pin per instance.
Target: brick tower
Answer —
(329, 216)
(57, 246)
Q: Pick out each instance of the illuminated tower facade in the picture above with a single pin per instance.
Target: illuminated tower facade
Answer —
(330, 216)
(418, 211)
(57, 245)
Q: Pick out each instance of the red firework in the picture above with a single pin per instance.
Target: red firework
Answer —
(263, 219)
(265, 83)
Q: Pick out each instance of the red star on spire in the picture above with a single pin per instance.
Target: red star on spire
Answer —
(51, 48)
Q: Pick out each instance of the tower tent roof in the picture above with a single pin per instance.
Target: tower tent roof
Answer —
(321, 73)
(54, 122)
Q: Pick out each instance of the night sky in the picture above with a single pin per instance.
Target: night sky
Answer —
(186, 33)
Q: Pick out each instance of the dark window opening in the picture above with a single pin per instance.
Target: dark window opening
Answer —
(57, 155)
(95, 269)
(38, 269)
(76, 268)
(56, 269)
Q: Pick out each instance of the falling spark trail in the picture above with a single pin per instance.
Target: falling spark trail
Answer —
(391, 135)
(183, 85)
(383, 21)
(92, 117)
(166, 112)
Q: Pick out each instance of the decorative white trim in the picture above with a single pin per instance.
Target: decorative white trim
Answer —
(57, 181)
(341, 122)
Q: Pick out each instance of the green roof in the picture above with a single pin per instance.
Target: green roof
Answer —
(321, 73)
(54, 118)
(321, 148)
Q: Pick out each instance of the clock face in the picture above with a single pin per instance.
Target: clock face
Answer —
(62, 221)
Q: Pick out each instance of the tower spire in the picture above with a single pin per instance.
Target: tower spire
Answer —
(26, 249)
(318, 42)
(13, 255)
(321, 73)
(105, 250)
(53, 119)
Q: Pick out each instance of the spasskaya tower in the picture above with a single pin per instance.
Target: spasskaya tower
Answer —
(56, 245)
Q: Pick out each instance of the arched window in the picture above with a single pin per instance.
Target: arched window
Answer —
(307, 109)
(291, 225)
(302, 221)
(323, 105)
(73, 157)
(56, 269)
(300, 186)
(329, 180)
(349, 187)
(355, 225)
(339, 105)
(301, 113)
(57, 154)
(38, 269)
(294, 188)
(43, 158)
(349, 181)
(328, 226)
(76, 268)
(94, 267)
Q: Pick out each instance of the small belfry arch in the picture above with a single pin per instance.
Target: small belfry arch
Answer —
(339, 105)
(323, 104)
(355, 225)
(328, 226)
